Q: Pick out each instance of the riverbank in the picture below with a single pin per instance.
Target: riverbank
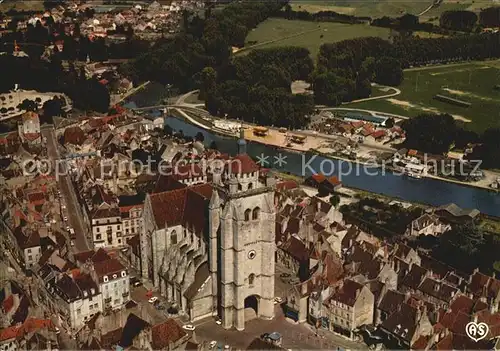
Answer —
(279, 140)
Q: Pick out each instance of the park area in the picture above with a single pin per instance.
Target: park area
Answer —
(275, 32)
(475, 83)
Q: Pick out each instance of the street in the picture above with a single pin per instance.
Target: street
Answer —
(75, 216)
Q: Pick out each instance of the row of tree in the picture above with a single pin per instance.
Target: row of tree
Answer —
(437, 134)
(320, 16)
(256, 87)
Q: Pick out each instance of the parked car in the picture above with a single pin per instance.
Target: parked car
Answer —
(218, 322)
(284, 275)
(189, 327)
(278, 300)
(212, 344)
(153, 299)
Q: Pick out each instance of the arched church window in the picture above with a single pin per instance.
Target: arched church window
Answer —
(240, 187)
(247, 215)
(251, 279)
(173, 237)
(250, 186)
(255, 213)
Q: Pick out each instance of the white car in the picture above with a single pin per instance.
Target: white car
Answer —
(278, 300)
(57, 330)
(189, 327)
(65, 218)
(153, 299)
(218, 322)
(212, 344)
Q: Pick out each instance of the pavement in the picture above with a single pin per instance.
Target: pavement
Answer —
(74, 209)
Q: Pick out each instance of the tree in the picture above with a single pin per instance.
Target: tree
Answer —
(389, 123)
(461, 241)
(53, 107)
(213, 146)
(28, 105)
(388, 71)
(430, 133)
(334, 200)
(458, 20)
(208, 79)
(199, 137)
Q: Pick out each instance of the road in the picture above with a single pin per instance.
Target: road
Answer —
(75, 215)
(395, 93)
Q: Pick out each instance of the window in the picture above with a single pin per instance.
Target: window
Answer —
(123, 275)
(255, 213)
(30, 257)
(78, 311)
(251, 279)
(173, 237)
(91, 307)
(119, 241)
(98, 237)
(240, 188)
(96, 305)
(247, 215)
(90, 298)
(251, 254)
(97, 229)
(118, 227)
(29, 250)
(250, 186)
(105, 279)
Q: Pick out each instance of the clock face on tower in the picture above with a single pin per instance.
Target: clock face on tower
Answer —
(251, 254)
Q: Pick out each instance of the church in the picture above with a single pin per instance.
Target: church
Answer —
(210, 247)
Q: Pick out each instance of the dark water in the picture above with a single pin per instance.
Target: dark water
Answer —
(425, 190)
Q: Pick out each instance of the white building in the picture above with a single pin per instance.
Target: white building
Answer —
(28, 250)
(74, 298)
(107, 226)
(110, 274)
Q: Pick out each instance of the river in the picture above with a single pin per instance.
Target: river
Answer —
(425, 190)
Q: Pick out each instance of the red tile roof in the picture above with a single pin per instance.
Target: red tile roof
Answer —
(178, 206)
(108, 268)
(378, 134)
(287, 185)
(165, 333)
(8, 333)
(8, 303)
(241, 164)
(348, 293)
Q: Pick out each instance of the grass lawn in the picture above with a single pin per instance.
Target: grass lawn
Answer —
(472, 82)
(379, 8)
(311, 35)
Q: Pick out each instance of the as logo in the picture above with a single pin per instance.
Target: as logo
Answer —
(476, 331)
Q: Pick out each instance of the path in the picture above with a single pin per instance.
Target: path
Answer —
(430, 7)
(182, 98)
(383, 88)
(75, 214)
(371, 112)
(246, 48)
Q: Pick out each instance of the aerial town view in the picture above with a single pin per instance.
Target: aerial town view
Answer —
(249, 175)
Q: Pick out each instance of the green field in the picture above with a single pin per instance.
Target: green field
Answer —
(379, 8)
(276, 32)
(470, 82)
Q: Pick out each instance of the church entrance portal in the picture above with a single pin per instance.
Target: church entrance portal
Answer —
(251, 307)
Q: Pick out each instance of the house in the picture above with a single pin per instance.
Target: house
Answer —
(113, 278)
(29, 128)
(405, 326)
(28, 247)
(324, 184)
(427, 224)
(350, 307)
(131, 212)
(74, 296)
(454, 214)
(107, 226)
